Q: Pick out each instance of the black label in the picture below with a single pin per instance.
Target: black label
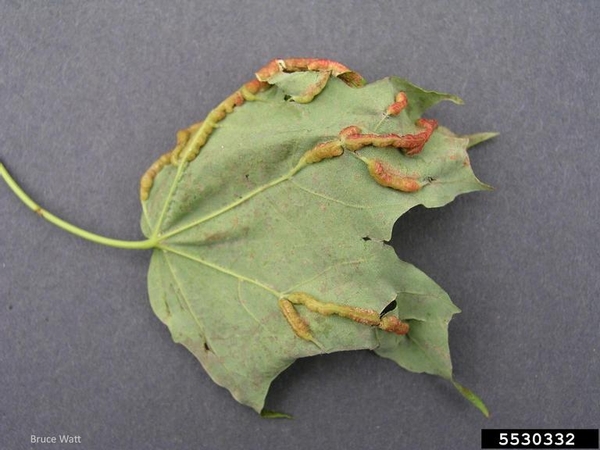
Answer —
(586, 438)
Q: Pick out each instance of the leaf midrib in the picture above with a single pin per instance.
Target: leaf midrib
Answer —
(224, 209)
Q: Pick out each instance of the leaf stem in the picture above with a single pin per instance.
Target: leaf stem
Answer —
(12, 184)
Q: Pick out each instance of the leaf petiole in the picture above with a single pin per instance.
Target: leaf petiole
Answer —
(12, 184)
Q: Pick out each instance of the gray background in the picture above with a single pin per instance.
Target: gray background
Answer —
(92, 93)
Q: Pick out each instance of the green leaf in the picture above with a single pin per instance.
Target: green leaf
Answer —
(268, 414)
(268, 222)
(472, 139)
(421, 99)
(478, 138)
(473, 398)
(246, 223)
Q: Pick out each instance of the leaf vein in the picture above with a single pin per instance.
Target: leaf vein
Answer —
(250, 313)
(232, 205)
(341, 202)
(222, 270)
(185, 299)
(328, 269)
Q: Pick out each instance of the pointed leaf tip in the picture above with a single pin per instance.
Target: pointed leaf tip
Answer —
(268, 414)
(478, 138)
(473, 398)
(454, 99)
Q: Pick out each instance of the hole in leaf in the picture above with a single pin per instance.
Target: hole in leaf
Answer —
(390, 307)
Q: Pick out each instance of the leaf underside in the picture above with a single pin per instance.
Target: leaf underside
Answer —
(242, 226)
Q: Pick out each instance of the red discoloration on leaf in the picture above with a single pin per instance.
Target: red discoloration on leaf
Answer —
(357, 141)
(268, 70)
(386, 176)
(253, 87)
(410, 143)
(394, 325)
(416, 142)
(396, 108)
(352, 79)
(235, 99)
(313, 65)
(349, 131)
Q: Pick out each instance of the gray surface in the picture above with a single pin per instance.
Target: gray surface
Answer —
(91, 93)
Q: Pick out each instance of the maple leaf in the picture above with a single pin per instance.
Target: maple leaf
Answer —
(269, 219)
